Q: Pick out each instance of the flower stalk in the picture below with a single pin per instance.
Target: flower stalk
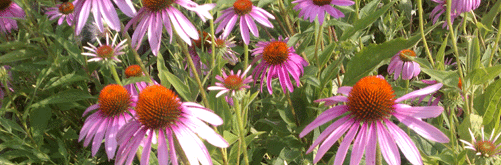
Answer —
(242, 146)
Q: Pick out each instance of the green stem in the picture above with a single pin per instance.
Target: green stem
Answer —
(115, 74)
(241, 130)
(194, 70)
(421, 30)
(246, 55)
(456, 53)
(292, 108)
(212, 38)
(406, 86)
(496, 42)
(379, 158)
(137, 57)
(317, 43)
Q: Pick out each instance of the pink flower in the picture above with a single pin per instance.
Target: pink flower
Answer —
(313, 8)
(107, 51)
(155, 14)
(278, 60)
(400, 63)
(135, 71)
(485, 147)
(231, 83)
(101, 10)
(160, 110)
(62, 11)
(113, 109)
(367, 108)
(457, 7)
(9, 10)
(247, 13)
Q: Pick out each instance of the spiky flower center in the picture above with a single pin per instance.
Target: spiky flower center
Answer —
(66, 8)
(233, 82)
(114, 100)
(157, 5)
(405, 54)
(220, 43)
(276, 52)
(321, 2)
(4, 4)
(242, 7)
(158, 107)
(486, 148)
(371, 99)
(105, 51)
(133, 71)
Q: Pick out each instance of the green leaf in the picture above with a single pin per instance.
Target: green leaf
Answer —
(161, 69)
(483, 75)
(474, 53)
(491, 100)
(448, 78)
(488, 18)
(168, 78)
(9, 125)
(365, 22)
(70, 95)
(18, 55)
(326, 54)
(441, 54)
(67, 80)
(39, 118)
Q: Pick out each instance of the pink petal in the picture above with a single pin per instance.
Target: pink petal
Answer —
(387, 144)
(425, 91)
(345, 145)
(421, 112)
(405, 143)
(323, 118)
(422, 128)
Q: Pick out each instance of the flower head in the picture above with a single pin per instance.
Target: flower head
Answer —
(101, 10)
(115, 104)
(277, 60)
(369, 105)
(247, 13)
(107, 51)
(310, 9)
(485, 147)
(401, 63)
(155, 14)
(136, 71)
(231, 83)
(457, 7)
(62, 11)
(8, 10)
(160, 110)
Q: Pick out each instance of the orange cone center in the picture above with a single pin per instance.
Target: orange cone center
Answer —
(114, 100)
(371, 99)
(276, 52)
(242, 7)
(158, 107)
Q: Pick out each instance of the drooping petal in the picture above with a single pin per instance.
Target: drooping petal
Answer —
(421, 92)
(421, 112)
(405, 143)
(345, 145)
(387, 144)
(323, 118)
(422, 128)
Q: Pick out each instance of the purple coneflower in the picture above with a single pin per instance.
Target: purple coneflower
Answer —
(457, 7)
(369, 104)
(113, 109)
(247, 13)
(105, 52)
(484, 147)
(8, 10)
(222, 44)
(160, 110)
(278, 60)
(225, 44)
(135, 71)
(401, 63)
(101, 9)
(313, 8)
(231, 83)
(155, 14)
(62, 11)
